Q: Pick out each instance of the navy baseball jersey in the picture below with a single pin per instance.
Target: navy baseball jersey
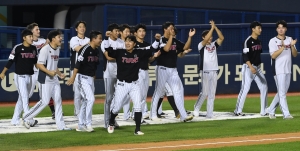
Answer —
(88, 60)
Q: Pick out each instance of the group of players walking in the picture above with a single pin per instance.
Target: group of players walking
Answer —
(126, 62)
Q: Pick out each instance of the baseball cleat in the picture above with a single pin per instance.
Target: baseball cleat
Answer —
(89, 129)
(156, 119)
(177, 115)
(53, 115)
(288, 117)
(81, 129)
(138, 133)
(110, 129)
(35, 122)
(66, 129)
(26, 124)
(144, 122)
(188, 118)
(272, 116)
(239, 114)
(188, 112)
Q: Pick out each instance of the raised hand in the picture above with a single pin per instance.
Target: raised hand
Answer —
(293, 42)
(107, 34)
(187, 51)
(212, 23)
(192, 32)
(157, 36)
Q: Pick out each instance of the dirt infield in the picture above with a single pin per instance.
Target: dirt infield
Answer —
(192, 144)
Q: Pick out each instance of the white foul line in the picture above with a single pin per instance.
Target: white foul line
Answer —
(215, 143)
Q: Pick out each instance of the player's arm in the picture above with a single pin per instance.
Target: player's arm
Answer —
(75, 45)
(209, 34)
(245, 56)
(155, 46)
(294, 50)
(189, 41)
(273, 49)
(166, 46)
(11, 60)
(61, 75)
(182, 54)
(220, 36)
(105, 45)
(80, 60)
(72, 78)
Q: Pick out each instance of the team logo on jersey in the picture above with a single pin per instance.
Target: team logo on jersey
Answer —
(285, 46)
(93, 59)
(130, 60)
(173, 47)
(54, 57)
(256, 47)
(28, 55)
(210, 49)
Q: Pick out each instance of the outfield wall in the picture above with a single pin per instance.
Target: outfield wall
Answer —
(229, 77)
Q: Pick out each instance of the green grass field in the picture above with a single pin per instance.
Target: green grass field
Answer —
(157, 133)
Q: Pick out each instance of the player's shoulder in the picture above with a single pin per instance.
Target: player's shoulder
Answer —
(274, 39)
(19, 46)
(119, 40)
(42, 40)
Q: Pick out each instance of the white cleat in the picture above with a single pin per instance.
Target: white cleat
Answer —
(196, 114)
(26, 124)
(188, 118)
(288, 117)
(89, 129)
(66, 129)
(110, 129)
(272, 116)
(81, 129)
(138, 133)
(156, 119)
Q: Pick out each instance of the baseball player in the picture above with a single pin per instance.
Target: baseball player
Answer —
(48, 81)
(110, 69)
(24, 55)
(128, 62)
(124, 32)
(85, 72)
(282, 48)
(38, 43)
(251, 71)
(76, 43)
(167, 72)
(208, 69)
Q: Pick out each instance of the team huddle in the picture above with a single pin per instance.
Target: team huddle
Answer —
(126, 62)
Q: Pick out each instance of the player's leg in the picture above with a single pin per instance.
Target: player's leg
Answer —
(161, 78)
(34, 82)
(126, 110)
(45, 91)
(283, 86)
(213, 77)
(77, 98)
(177, 89)
(171, 100)
(203, 94)
(135, 94)
(263, 87)
(122, 89)
(247, 78)
(56, 95)
(159, 106)
(86, 86)
(275, 102)
(109, 84)
(21, 83)
(144, 84)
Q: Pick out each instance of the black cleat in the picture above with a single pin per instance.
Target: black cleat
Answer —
(239, 114)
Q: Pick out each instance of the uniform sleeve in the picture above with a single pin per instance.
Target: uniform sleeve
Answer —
(246, 51)
(82, 57)
(200, 46)
(12, 58)
(112, 52)
(104, 44)
(216, 44)
(179, 46)
(43, 56)
(74, 43)
(146, 52)
(272, 47)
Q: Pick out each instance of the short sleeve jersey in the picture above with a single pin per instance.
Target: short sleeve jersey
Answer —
(254, 49)
(209, 57)
(49, 58)
(283, 63)
(39, 43)
(88, 60)
(169, 59)
(110, 67)
(24, 59)
(74, 42)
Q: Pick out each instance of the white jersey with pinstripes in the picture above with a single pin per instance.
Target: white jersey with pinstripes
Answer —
(49, 58)
(39, 43)
(283, 63)
(111, 66)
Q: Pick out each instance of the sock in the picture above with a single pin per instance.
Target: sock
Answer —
(112, 118)
(138, 118)
(51, 105)
(158, 104)
(172, 103)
